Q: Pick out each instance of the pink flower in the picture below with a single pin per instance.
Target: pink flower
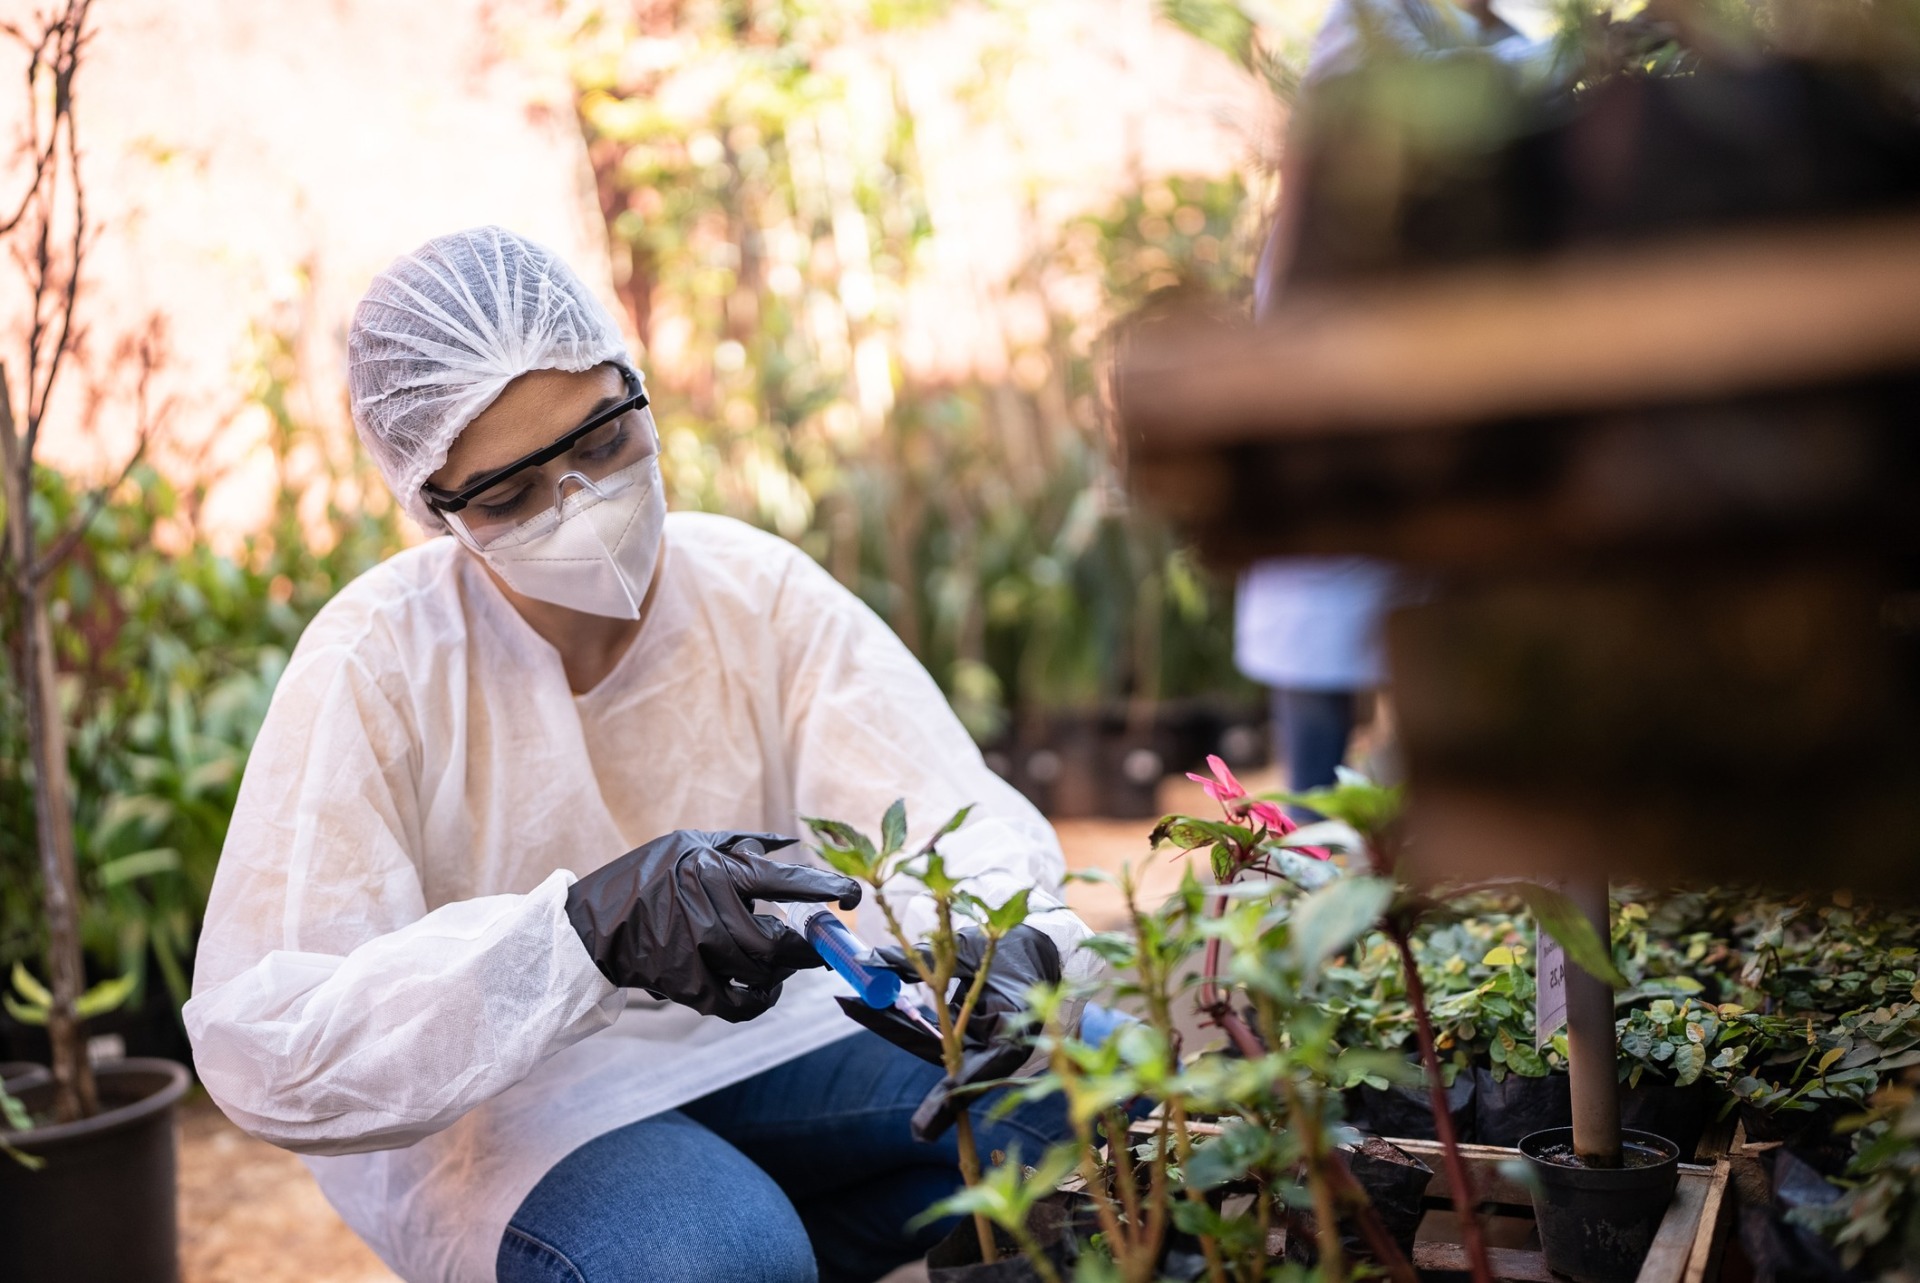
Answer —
(1272, 816)
(1223, 787)
(1232, 797)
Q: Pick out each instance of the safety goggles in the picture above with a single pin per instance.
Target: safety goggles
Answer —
(526, 498)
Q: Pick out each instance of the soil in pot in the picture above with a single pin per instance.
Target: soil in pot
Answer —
(116, 1168)
(1596, 1224)
(1518, 1106)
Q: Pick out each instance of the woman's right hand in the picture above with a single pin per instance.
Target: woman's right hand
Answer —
(675, 917)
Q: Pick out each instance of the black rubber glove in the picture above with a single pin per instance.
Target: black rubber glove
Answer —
(675, 917)
(998, 1034)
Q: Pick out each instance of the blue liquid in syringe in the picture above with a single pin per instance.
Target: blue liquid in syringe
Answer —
(844, 952)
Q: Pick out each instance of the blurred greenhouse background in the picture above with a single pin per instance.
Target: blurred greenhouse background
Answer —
(869, 254)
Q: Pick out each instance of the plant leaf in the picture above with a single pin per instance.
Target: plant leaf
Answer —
(161, 859)
(893, 828)
(1560, 918)
(106, 996)
(1331, 918)
(35, 1016)
(29, 988)
(1336, 834)
(1009, 915)
(959, 817)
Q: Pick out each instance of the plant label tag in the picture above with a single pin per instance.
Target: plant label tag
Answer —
(1550, 988)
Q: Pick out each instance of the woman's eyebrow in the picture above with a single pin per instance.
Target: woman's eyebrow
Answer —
(601, 407)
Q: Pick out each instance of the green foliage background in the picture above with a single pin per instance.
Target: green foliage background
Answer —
(782, 225)
(771, 238)
(169, 651)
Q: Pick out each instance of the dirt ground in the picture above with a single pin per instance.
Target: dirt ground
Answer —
(249, 1213)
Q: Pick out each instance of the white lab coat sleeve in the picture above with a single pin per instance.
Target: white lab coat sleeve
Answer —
(866, 724)
(332, 1013)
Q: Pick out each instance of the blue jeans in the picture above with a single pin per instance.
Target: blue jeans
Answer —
(1311, 730)
(806, 1171)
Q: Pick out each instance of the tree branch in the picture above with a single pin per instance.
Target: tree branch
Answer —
(96, 500)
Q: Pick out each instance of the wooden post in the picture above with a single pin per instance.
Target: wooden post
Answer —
(1590, 1050)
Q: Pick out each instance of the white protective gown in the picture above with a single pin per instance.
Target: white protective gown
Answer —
(387, 981)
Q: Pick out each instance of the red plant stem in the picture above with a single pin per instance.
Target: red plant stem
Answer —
(1458, 1178)
(1215, 1004)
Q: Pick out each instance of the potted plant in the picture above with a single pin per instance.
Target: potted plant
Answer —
(90, 1138)
(936, 961)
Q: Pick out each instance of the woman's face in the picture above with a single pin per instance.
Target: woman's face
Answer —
(534, 410)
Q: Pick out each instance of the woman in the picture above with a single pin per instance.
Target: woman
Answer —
(507, 1048)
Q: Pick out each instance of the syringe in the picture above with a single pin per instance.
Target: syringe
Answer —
(843, 951)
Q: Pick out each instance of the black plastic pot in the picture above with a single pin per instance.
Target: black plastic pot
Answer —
(1407, 1112)
(18, 1075)
(1678, 1113)
(101, 1210)
(1517, 1106)
(1396, 1184)
(956, 1258)
(1809, 1133)
(1779, 1249)
(1596, 1224)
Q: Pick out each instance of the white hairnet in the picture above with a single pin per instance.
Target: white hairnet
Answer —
(445, 328)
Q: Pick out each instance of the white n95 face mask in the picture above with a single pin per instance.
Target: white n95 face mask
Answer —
(600, 556)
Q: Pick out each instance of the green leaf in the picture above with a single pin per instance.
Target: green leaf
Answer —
(29, 988)
(845, 848)
(1560, 918)
(161, 859)
(1356, 800)
(1116, 948)
(211, 777)
(893, 828)
(1009, 915)
(106, 996)
(932, 874)
(1229, 1156)
(1007, 1193)
(140, 814)
(1190, 833)
(953, 824)
(1689, 1062)
(1337, 834)
(35, 1016)
(1331, 918)
(14, 1112)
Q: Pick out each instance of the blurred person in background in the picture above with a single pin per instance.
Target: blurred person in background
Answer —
(483, 945)
(1309, 627)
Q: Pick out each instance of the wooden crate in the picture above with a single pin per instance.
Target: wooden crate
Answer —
(1686, 1249)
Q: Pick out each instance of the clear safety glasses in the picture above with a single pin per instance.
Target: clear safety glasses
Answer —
(526, 498)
